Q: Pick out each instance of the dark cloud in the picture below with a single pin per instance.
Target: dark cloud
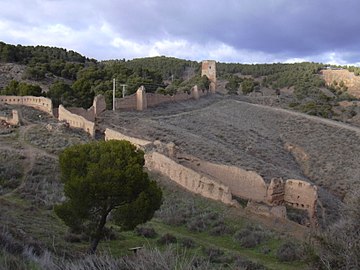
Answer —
(280, 29)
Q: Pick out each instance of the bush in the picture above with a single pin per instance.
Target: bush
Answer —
(242, 263)
(145, 232)
(213, 254)
(250, 237)
(288, 252)
(187, 243)
(167, 239)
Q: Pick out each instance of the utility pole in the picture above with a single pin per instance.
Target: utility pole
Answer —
(123, 89)
(114, 86)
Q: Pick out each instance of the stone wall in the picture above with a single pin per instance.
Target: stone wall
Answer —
(40, 103)
(99, 105)
(13, 120)
(349, 79)
(301, 195)
(188, 178)
(242, 183)
(116, 135)
(209, 70)
(126, 103)
(76, 121)
(142, 100)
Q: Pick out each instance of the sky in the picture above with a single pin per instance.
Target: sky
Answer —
(240, 31)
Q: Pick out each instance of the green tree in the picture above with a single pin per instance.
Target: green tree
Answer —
(247, 86)
(103, 178)
(60, 93)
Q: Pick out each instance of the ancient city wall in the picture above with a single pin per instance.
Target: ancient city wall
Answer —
(40, 103)
(90, 114)
(142, 100)
(13, 120)
(300, 194)
(116, 135)
(126, 103)
(76, 121)
(245, 184)
(349, 79)
(188, 178)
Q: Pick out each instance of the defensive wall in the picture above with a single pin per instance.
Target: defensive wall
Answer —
(13, 120)
(40, 103)
(76, 121)
(222, 182)
(349, 79)
(141, 100)
(116, 135)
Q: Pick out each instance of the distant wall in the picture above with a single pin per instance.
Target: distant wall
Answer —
(349, 79)
(188, 178)
(126, 103)
(90, 114)
(76, 121)
(13, 120)
(40, 103)
(142, 100)
(116, 135)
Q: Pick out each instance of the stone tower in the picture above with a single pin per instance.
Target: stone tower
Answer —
(209, 70)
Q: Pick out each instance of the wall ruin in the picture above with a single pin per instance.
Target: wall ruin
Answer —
(208, 69)
(242, 183)
(116, 135)
(13, 120)
(142, 100)
(76, 121)
(188, 178)
(40, 103)
(301, 195)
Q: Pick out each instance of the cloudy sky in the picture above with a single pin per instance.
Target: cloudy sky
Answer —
(245, 31)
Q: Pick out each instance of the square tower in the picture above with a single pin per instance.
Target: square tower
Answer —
(209, 70)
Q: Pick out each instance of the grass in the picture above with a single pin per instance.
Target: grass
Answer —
(203, 240)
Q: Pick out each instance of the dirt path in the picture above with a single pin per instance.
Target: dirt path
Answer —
(30, 153)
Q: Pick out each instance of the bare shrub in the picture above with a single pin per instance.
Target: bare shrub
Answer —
(289, 252)
(167, 239)
(251, 236)
(146, 232)
(242, 263)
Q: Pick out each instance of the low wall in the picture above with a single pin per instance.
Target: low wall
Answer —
(40, 103)
(116, 135)
(13, 120)
(188, 178)
(76, 121)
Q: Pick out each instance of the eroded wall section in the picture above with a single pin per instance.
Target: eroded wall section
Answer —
(188, 178)
(116, 135)
(76, 121)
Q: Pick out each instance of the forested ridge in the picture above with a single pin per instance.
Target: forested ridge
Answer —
(76, 79)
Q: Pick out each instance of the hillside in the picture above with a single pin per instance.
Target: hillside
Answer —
(276, 120)
(31, 235)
